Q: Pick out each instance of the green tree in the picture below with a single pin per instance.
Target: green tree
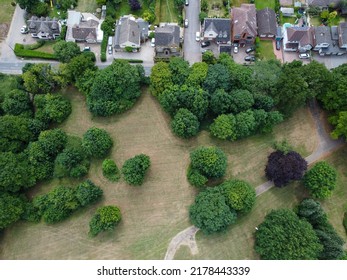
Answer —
(185, 124)
(321, 180)
(312, 211)
(134, 169)
(221, 102)
(242, 100)
(52, 108)
(65, 51)
(264, 102)
(179, 69)
(53, 141)
(340, 123)
(195, 178)
(87, 192)
(208, 57)
(110, 170)
(245, 124)
(161, 78)
(105, 218)
(79, 64)
(198, 73)
(39, 79)
(217, 78)
(97, 142)
(28, 5)
(209, 161)
(281, 237)
(239, 195)
(17, 102)
(210, 211)
(11, 209)
(115, 89)
(224, 127)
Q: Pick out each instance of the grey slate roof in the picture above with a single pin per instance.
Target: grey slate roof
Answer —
(342, 30)
(322, 3)
(221, 26)
(43, 24)
(266, 20)
(84, 33)
(167, 36)
(129, 31)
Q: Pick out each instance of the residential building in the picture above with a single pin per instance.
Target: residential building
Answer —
(323, 4)
(83, 27)
(127, 33)
(326, 41)
(298, 38)
(342, 31)
(287, 12)
(266, 20)
(167, 41)
(244, 24)
(217, 30)
(44, 27)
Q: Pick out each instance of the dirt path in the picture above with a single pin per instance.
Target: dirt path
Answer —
(326, 146)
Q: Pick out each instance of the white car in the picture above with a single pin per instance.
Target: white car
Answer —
(186, 23)
(24, 29)
(304, 56)
(236, 49)
(153, 42)
(197, 36)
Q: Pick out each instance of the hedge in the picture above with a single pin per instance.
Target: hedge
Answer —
(103, 48)
(129, 60)
(21, 52)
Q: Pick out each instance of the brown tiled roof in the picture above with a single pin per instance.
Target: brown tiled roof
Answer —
(266, 20)
(304, 35)
(245, 20)
(82, 33)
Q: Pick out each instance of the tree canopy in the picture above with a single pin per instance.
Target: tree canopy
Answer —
(105, 218)
(135, 169)
(65, 51)
(97, 142)
(185, 124)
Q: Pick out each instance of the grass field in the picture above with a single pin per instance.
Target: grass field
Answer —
(265, 4)
(265, 49)
(155, 212)
(238, 241)
(6, 13)
(167, 11)
(89, 6)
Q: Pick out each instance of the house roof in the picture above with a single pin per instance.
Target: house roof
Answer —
(245, 20)
(304, 35)
(73, 18)
(266, 20)
(322, 34)
(322, 3)
(43, 24)
(129, 31)
(287, 10)
(143, 27)
(167, 36)
(221, 26)
(342, 29)
(84, 33)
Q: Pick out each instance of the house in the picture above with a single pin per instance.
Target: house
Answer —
(342, 32)
(286, 3)
(217, 30)
(298, 38)
(167, 41)
(323, 4)
(244, 24)
(325, 41)
(287, 12)
(266, 20)
(127, 33)
(44, 27)
(83, 27)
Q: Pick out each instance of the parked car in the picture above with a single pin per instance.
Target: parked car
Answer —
(278, 45)
(86, 49)
(24, 29)
(205, 44)
(197, 36)
(187, 2)
(249, 50)
(110, 50)
(236, 49)
(153, 42)
(304, 56)
(249, 58)
(186, 23)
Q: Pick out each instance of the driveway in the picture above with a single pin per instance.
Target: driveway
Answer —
(331, 61)
(191, 47)
(291, 56)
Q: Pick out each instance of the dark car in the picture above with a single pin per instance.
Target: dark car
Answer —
(205, 44)
(249, 50)
(278, 45)
(249, 58)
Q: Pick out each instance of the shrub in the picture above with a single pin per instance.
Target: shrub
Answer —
(195, 178)
(110, 170)
(134, 169)
(11, 208)
(87, 193)
(209, 161)
(185, 124)
(97, 142)
(105, 218)
(321, 180)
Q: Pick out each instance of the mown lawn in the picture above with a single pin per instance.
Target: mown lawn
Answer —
(237, 3)
(89, 6)
(6, 13)
(265, 49)
(155, 212)
(165, 11)
(261, 4)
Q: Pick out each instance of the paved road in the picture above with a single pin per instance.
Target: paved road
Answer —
(191, 47)
(326, 145)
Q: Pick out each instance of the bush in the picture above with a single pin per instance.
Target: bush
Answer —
(21, 52)
(97, 142)
(209, 161)
(195, 178)
(129, 60)
(185, 124)
(87, 193)
(134, 169)
(321, 180)
(110, 170)
(11, 209)
(129, 49)
(105, 218)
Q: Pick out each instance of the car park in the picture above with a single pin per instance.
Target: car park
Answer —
(304, 56)
(205, 44)
(249, 50)
(186, 23)
(278, 45)
(249, 58)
